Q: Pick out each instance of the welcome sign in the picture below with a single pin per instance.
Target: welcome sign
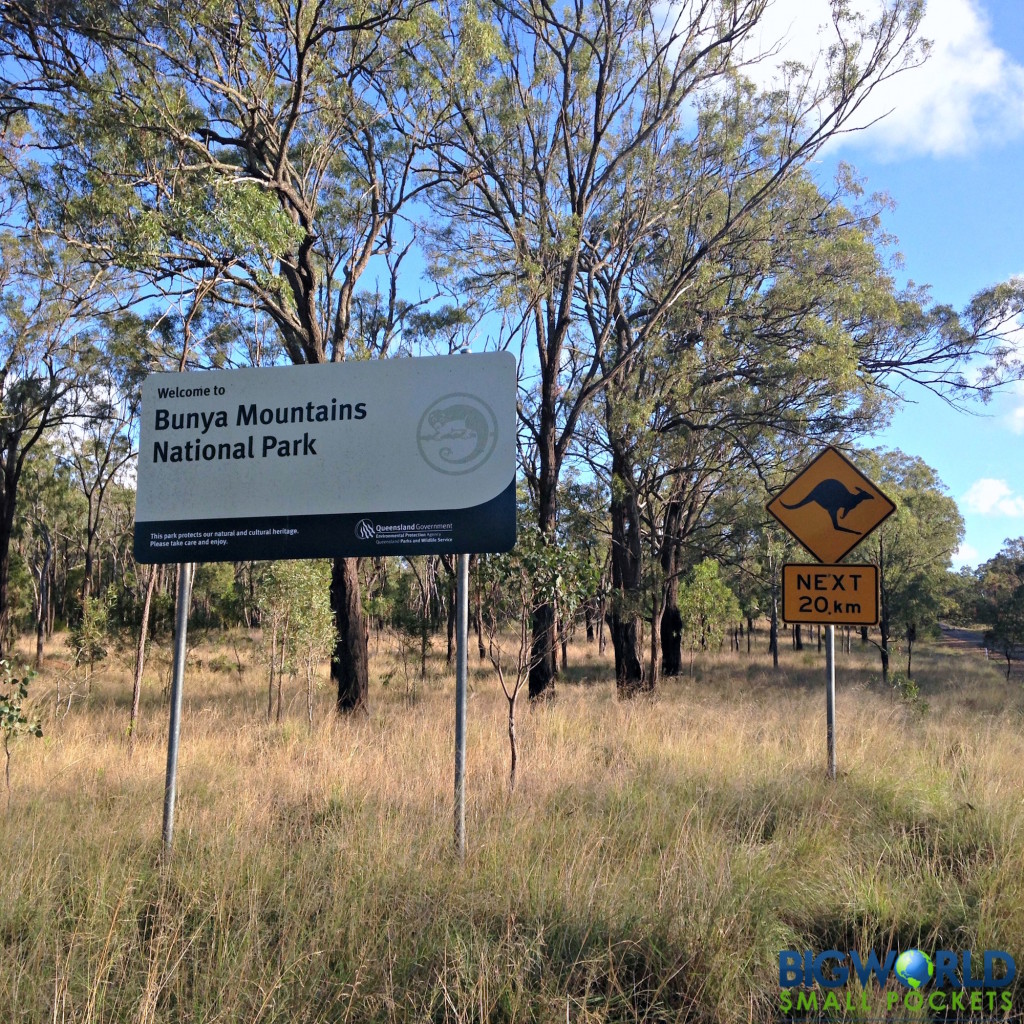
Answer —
(397, 456)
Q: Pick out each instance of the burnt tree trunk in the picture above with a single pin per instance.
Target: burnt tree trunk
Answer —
(671, 639)
(773, 633)
(6, 530)
(350, 660)
(624, 618)
(543, 665)
(671, 624)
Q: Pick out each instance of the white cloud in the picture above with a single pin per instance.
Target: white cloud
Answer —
(991, 497)
(968, 91)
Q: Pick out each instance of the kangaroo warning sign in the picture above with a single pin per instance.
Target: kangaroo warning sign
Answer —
(382, 457)
(831, 506)
(830, 595)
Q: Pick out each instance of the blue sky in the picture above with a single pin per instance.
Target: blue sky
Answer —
(951, 156)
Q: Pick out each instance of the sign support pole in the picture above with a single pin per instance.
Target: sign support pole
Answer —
(830, 697)
(177, 685)
(461, 671)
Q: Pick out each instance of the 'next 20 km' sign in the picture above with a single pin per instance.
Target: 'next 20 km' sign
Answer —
(843, 595)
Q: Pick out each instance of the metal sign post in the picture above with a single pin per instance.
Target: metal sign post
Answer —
(375, 458)
(177, 685)
(461, 671)
(830, 507)
(830, 697)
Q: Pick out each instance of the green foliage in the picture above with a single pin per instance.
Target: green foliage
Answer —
(707, 606)
(913, 548)
(14, 721)
(998, 578)
(908, 691)
(1007, 633)
(298, 627)
(216, 600)
(89, 635)
(538, 571)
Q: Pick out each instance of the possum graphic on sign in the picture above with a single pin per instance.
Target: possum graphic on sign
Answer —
(459, 422)
(836, 500)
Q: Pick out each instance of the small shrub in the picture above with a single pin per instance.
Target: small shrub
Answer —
(13, 720)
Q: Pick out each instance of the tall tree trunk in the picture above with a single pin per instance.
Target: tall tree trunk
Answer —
(624, 619)
(43, 614)
(773, 633)
(273, 668)
(657, 616)
(449, 657)
(87, 571)
(6, 530)
(670, 626)
(883, 611)
(350, 661)
(140, 660)
(513, 745)
(543, 664)
(478, 625)
(671, 638)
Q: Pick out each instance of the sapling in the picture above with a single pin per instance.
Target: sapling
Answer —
(13, 720)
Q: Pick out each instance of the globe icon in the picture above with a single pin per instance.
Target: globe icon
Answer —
(914, 968)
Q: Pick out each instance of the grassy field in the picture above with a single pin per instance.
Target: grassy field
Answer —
(652, 862)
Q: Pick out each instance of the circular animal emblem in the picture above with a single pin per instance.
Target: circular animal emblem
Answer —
(365, 530)
(457, 434)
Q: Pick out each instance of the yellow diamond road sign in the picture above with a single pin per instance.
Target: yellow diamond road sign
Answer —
(831, 506)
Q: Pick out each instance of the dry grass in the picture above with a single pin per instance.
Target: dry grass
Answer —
(650, 865)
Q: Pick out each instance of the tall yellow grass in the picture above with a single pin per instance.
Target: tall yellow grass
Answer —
(652, 861)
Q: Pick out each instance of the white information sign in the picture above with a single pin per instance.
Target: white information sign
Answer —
(394, 456)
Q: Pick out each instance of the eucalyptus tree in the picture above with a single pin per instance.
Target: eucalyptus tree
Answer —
(760, 351)
(99, 445)
(49, 310)
(998, 590)
(246, 157)
(563, 118)
(913, 548)
(50, 507)
(793, 332)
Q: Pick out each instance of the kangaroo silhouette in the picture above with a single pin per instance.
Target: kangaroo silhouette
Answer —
(836, 500)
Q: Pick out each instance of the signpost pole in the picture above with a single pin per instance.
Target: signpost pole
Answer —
(830, 697)
(177, 684)
(461, 668)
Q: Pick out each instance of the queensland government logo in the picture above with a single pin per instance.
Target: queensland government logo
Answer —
(457, 434)
(365, 529)
(947, 984)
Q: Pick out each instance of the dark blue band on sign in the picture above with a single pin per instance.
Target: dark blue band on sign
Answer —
(481, 528)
